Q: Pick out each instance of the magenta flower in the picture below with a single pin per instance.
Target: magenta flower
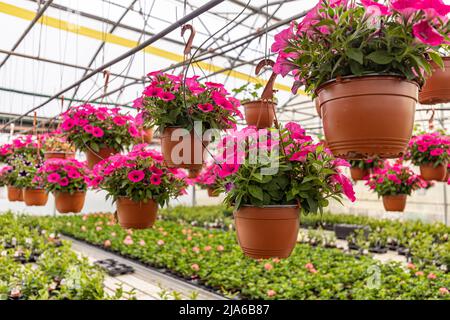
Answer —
(206, 107)
(53, 178)
(88, 128)
(73, 174)
(64, 182)
(133, 131)
(346, 184)
(282, 39)
(152, 91)
(120, 121)
(166, 96)
(136, 176)
(68, 124)
(427, 34)
(97, 132)
(375, 9)
(155, 180)
(436, 152)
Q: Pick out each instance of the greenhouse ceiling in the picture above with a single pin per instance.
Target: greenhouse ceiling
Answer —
(50, 45)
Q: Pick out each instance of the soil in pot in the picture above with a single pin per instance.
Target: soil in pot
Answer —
(430, 173)
(35, 197)
(395, 203)
(93, 157)
(136, 215)
(15, 194)
(437, 87)
(59, 155)
(259, 113)
(66, 202)
(185, 152)
(370, 116)
(359, 174)
(267, 232)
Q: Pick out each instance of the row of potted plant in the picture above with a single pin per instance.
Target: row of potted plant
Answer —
(37, 265)
(213, 259)
(346, 53)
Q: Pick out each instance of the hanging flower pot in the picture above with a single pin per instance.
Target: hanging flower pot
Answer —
(35, 197)
(15, 194)
(212, 193)
(136, 214)
(367, 87)
(93, 157)
(267, 232)
(59, 155)
(368, 116)
(147, 135)
(182, 151)
(358, 174)
(67, 180)
(138, 188)
(56, 146)
(99, 131)
(267, 205)
(259, 113)
(66, 202)
(317, 105)
(437, 87)
(430, 172)
(395, 203)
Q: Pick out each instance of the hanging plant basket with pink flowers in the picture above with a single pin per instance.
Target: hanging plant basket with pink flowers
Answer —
(430, 151)
(67, 180)
(174, 105)
(98, 131)
(394, 183)
(209, 180)
(361, 169)
(138, 183)
(268, 192)
(55, 145)
(364, 61)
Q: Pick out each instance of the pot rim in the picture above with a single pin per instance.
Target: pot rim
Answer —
(372, 75)
(259, 100)
(272, 206)
(65, 152)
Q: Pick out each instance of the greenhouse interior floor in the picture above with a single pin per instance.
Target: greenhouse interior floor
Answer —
(147, 284)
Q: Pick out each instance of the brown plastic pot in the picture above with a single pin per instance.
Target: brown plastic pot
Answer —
(193, 173)
(359, 174)
(212, 193)
(267, 232)
(66, 202)
(173, 151)
(395, 203)
(15, 194)
(35, 197)
(437, 87)
(136, 215)
(59, 155)
(95, 157)
(430, 173)
(368, 116)
(147, 136)
(317, 104)
(259, 113)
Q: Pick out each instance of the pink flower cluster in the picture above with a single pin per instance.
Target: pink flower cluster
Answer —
(97, 120)
(63, 174)
(428, 148)
(18, 145)
(395, 179)
(209, 175)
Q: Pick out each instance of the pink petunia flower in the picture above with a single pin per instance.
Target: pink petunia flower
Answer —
(206, 107)
(427, 34)
(136, 176)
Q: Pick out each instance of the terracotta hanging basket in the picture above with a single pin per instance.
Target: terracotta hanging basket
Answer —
(15, 194)
(370, 116)
(147, 135)
(212, 193)
(431, 173)
(174, 151)
(136, 215)
(395, 203)
(317, 105)
(437, 87)
(359, 174)
(267, 232)
(35, 197)
(259, 113)
(59, 155)
(93, 157)
(66, 202)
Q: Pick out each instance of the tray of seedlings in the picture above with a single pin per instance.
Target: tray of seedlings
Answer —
(114, 268)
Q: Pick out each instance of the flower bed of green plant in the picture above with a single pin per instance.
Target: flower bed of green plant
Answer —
(35, 264)
(214, 259)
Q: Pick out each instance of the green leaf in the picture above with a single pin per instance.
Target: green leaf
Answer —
(256, 192)
(355, 54)
(380, 57)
